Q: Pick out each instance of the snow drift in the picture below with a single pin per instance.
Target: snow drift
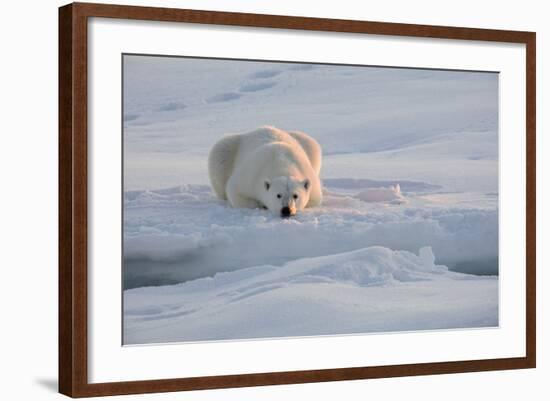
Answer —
(185, 233)
(367, 290)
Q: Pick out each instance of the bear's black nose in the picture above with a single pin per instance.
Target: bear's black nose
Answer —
(285, 211)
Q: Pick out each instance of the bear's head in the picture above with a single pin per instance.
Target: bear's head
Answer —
(284, 196)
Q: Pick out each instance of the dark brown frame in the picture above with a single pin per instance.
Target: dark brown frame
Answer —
(73, 231)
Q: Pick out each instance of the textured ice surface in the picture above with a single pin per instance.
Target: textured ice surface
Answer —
(367, 290)
(184, 233)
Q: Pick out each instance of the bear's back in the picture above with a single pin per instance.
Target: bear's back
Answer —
(263, 136)
(250, 142)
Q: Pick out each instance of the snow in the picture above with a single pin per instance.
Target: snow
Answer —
(367, 290)
(381, 194)
(183, 233)
(410, 168)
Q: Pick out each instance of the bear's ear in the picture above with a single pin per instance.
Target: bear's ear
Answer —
(306, 183)
(267, 185)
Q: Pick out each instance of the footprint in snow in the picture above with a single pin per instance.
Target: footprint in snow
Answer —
(131, 117)
(265, 74)
(223, 97)
(256, 86)
(172, 106)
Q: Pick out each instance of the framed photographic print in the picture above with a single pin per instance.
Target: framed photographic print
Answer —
(253, 200)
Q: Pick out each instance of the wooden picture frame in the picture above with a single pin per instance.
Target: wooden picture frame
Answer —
(73, 198)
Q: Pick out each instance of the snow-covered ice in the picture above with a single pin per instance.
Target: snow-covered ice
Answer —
(410, 177)
(381, 194)
(184, 233)
(367, 290)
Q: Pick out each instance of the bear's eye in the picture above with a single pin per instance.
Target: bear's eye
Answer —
(279, 196)
(295, 196)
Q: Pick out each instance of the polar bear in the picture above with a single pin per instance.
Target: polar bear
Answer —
(268, 168)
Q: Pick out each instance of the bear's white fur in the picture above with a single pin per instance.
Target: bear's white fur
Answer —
(268, 168)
